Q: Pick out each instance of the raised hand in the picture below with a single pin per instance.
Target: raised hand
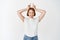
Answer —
(33, 6)
(28, 7)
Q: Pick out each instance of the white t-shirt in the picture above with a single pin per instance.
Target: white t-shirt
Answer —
(31, 26)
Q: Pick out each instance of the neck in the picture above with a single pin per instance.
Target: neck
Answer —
(30, 16)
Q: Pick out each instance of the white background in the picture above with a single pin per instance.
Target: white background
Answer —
(11, 27)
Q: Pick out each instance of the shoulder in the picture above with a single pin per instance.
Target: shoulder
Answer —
(37, 19)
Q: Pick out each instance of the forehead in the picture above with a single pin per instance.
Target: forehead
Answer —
(31, 11)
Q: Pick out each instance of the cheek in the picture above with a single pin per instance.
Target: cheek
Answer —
(33, 13)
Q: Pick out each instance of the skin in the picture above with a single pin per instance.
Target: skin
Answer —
(31, 13)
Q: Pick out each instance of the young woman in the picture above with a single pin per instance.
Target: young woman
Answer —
(31, 23)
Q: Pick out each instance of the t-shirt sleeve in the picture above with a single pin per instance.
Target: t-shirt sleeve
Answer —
(37, 19)
(25, 19)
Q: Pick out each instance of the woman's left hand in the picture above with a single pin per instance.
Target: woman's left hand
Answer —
(33, 6)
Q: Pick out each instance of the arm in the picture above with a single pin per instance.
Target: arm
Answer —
(43, 12)
(19, 12)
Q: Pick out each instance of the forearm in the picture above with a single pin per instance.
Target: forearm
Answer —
(22, 10)
(41, 10)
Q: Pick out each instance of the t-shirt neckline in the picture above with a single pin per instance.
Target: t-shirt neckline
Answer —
(31, 18)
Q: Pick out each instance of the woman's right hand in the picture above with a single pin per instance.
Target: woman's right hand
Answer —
(28, 7)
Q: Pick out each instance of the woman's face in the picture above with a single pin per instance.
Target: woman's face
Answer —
(31, 13)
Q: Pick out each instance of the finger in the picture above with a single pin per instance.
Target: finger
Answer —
(33, 4)
(28, 5)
